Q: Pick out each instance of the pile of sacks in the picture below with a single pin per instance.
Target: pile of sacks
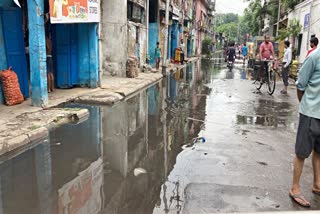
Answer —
(132, 67)
(11, 87)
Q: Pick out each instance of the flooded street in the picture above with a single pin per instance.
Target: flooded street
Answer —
(140, 156)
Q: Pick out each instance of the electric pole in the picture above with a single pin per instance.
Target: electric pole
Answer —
(165, 45)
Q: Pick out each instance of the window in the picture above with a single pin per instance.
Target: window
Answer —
(135, 13)
(299, 44)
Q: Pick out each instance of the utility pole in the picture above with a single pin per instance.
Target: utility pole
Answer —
(147, 24)
(165, 45)
(278, 22)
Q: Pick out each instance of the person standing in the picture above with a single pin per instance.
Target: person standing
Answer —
(244, 52)
(182, 47)
(287, 59)
(313, 44)
(157, 55)
(308, 136)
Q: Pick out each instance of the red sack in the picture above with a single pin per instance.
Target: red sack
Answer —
(11, 87)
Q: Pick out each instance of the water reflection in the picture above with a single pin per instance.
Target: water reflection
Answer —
(89, 167)
(269, 113)
(61, 175)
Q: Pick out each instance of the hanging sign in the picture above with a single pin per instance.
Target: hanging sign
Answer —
(74, 11)
(306, 20)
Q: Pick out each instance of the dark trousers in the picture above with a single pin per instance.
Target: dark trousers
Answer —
(285, 75)
(182, 57)
(264, 69)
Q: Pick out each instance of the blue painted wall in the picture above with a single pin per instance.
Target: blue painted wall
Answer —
(15, 47)
(88, 55)
(169, 41)
(37, 53)
(189, 48)
(152, 41)
(174, 37)
(3, 59)
(94, 55)
(6, 3)
(84, 57)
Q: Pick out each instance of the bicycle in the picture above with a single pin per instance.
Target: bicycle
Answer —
(268, 76)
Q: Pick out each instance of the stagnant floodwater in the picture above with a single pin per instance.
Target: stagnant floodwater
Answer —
(116, 160)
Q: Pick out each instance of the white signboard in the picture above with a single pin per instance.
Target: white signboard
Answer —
(175, 10)
(164, 31)
(74, 11)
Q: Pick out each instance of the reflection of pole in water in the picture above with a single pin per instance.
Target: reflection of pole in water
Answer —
(164, 122)
(176, 197)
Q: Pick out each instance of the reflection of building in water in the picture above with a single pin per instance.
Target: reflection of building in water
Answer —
(83, 194)
(85, 137)
(124, 129)
(26, 182)
(133, 138)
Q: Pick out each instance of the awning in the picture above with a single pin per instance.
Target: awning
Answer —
(138, 2)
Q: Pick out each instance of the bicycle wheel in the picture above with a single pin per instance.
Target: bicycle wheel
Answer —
(271, 82)
(258, 81)
(258, 84)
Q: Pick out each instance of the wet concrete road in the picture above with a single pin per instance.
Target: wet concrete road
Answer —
(138, 157)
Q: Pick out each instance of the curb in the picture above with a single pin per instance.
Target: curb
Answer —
(19, 144)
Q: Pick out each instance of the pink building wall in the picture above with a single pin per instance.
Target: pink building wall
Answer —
(201, 14)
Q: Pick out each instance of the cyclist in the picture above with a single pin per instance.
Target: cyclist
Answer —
(231, 53)
(266, 53)
(244, 52)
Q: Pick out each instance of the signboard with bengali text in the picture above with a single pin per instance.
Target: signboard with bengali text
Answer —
(74, 11)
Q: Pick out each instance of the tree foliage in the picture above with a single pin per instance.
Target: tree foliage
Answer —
(254, 14)
(226, 18)
(293, 30)
(229, 29)
(206, 45)
(290, 4)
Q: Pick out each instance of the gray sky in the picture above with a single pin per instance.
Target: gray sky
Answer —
(231, 6)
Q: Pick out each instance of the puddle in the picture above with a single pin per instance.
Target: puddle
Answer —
(268, 113)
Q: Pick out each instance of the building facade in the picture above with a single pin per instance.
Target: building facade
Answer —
(203, 13)
(92, 42)
(307, 12)
(69, 38)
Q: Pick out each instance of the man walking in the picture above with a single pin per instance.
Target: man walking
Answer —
(157, 55)
(244, 52)
(287, 59)
(308, 136)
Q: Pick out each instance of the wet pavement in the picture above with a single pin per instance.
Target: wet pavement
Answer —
(139, 156)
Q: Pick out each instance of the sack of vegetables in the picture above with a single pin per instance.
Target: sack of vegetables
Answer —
(11, 87)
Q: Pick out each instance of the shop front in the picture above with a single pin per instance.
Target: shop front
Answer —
(74, 37)
(56, 47)
(12, 44)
